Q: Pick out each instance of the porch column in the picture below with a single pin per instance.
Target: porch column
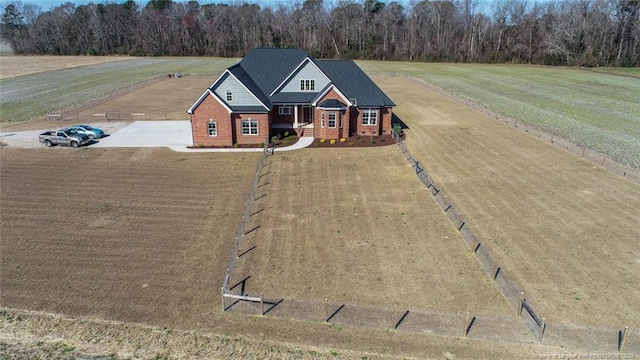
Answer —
(295, 116)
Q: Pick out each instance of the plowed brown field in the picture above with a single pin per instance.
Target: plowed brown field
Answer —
(144, 235)
(356, 226)
(136, 235)
(566, 230)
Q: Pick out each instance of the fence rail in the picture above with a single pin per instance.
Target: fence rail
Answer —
(506, 286)
(71, 112)
(517, 329)
(555, 334)
(242, 228)
(606, 161)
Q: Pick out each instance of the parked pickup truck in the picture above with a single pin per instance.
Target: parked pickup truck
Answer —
(67, 138)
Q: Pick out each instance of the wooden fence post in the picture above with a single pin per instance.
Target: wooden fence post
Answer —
(622, 337)
(261, 304)
(584, 148)
(542, 327)
(466, 325)
(521, 304)
(326, 309)
(495, 268)
(395, 316)
(603, 159)
(224, 306)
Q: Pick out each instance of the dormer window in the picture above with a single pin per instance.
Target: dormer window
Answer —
(229, 96)
(307, 85)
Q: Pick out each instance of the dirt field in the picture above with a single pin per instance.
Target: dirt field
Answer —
(17, 65)
(158, 101)
(134, 235)
(337, 225)
(142, 235)
(562, 227)
(566, 230)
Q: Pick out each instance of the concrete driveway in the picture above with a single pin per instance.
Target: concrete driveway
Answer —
(176, 135)
(172, 134)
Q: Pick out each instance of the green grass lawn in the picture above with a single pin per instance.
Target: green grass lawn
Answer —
(597, 107)
(30, 96)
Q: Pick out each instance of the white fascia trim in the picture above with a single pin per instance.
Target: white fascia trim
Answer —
(320, 96)
(218, 79)
(197, 103)
(294, 71)
(205, 93)
(249, 91)
(204, 96)
(215, 96)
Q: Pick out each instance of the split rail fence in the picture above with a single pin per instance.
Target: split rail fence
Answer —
(517, 329)
(226, 294)
(603, 160)
(72, 111)
(561, 334)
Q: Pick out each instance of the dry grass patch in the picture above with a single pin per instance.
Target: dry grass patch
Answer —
(565, 229)
(168, 99)
(356, 226)
(138, 235)
(18, 65)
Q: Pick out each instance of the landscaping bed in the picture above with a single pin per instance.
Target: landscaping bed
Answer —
(357, 141)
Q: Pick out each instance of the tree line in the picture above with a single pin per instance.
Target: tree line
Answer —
(572, 32)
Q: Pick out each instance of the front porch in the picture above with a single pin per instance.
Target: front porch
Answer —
(303, 129)
(298, 118)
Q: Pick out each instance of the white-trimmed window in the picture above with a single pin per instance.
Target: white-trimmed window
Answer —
(212, 128)
(229, 95)
(249, 127)
(340, 117)
(322, 118)
(369, 117)
(307, 85)
(285, 110)
(332, 120)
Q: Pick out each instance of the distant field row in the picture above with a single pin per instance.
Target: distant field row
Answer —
(597, 108)
(31, 96)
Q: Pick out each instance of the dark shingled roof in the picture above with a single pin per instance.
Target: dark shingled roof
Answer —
(263, 69)
(268, 67)
(299, 97)
(247, 80)
(332, 104)
(354, 83)
(249, 109)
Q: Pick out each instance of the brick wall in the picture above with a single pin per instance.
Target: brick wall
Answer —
(263, 128)
(331, 133)
(386, 114)
(211, 109)
(383, 124)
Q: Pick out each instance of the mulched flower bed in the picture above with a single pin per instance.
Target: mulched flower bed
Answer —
(357, 141)
(353, 141)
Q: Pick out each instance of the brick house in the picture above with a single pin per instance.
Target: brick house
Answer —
(271, 90)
